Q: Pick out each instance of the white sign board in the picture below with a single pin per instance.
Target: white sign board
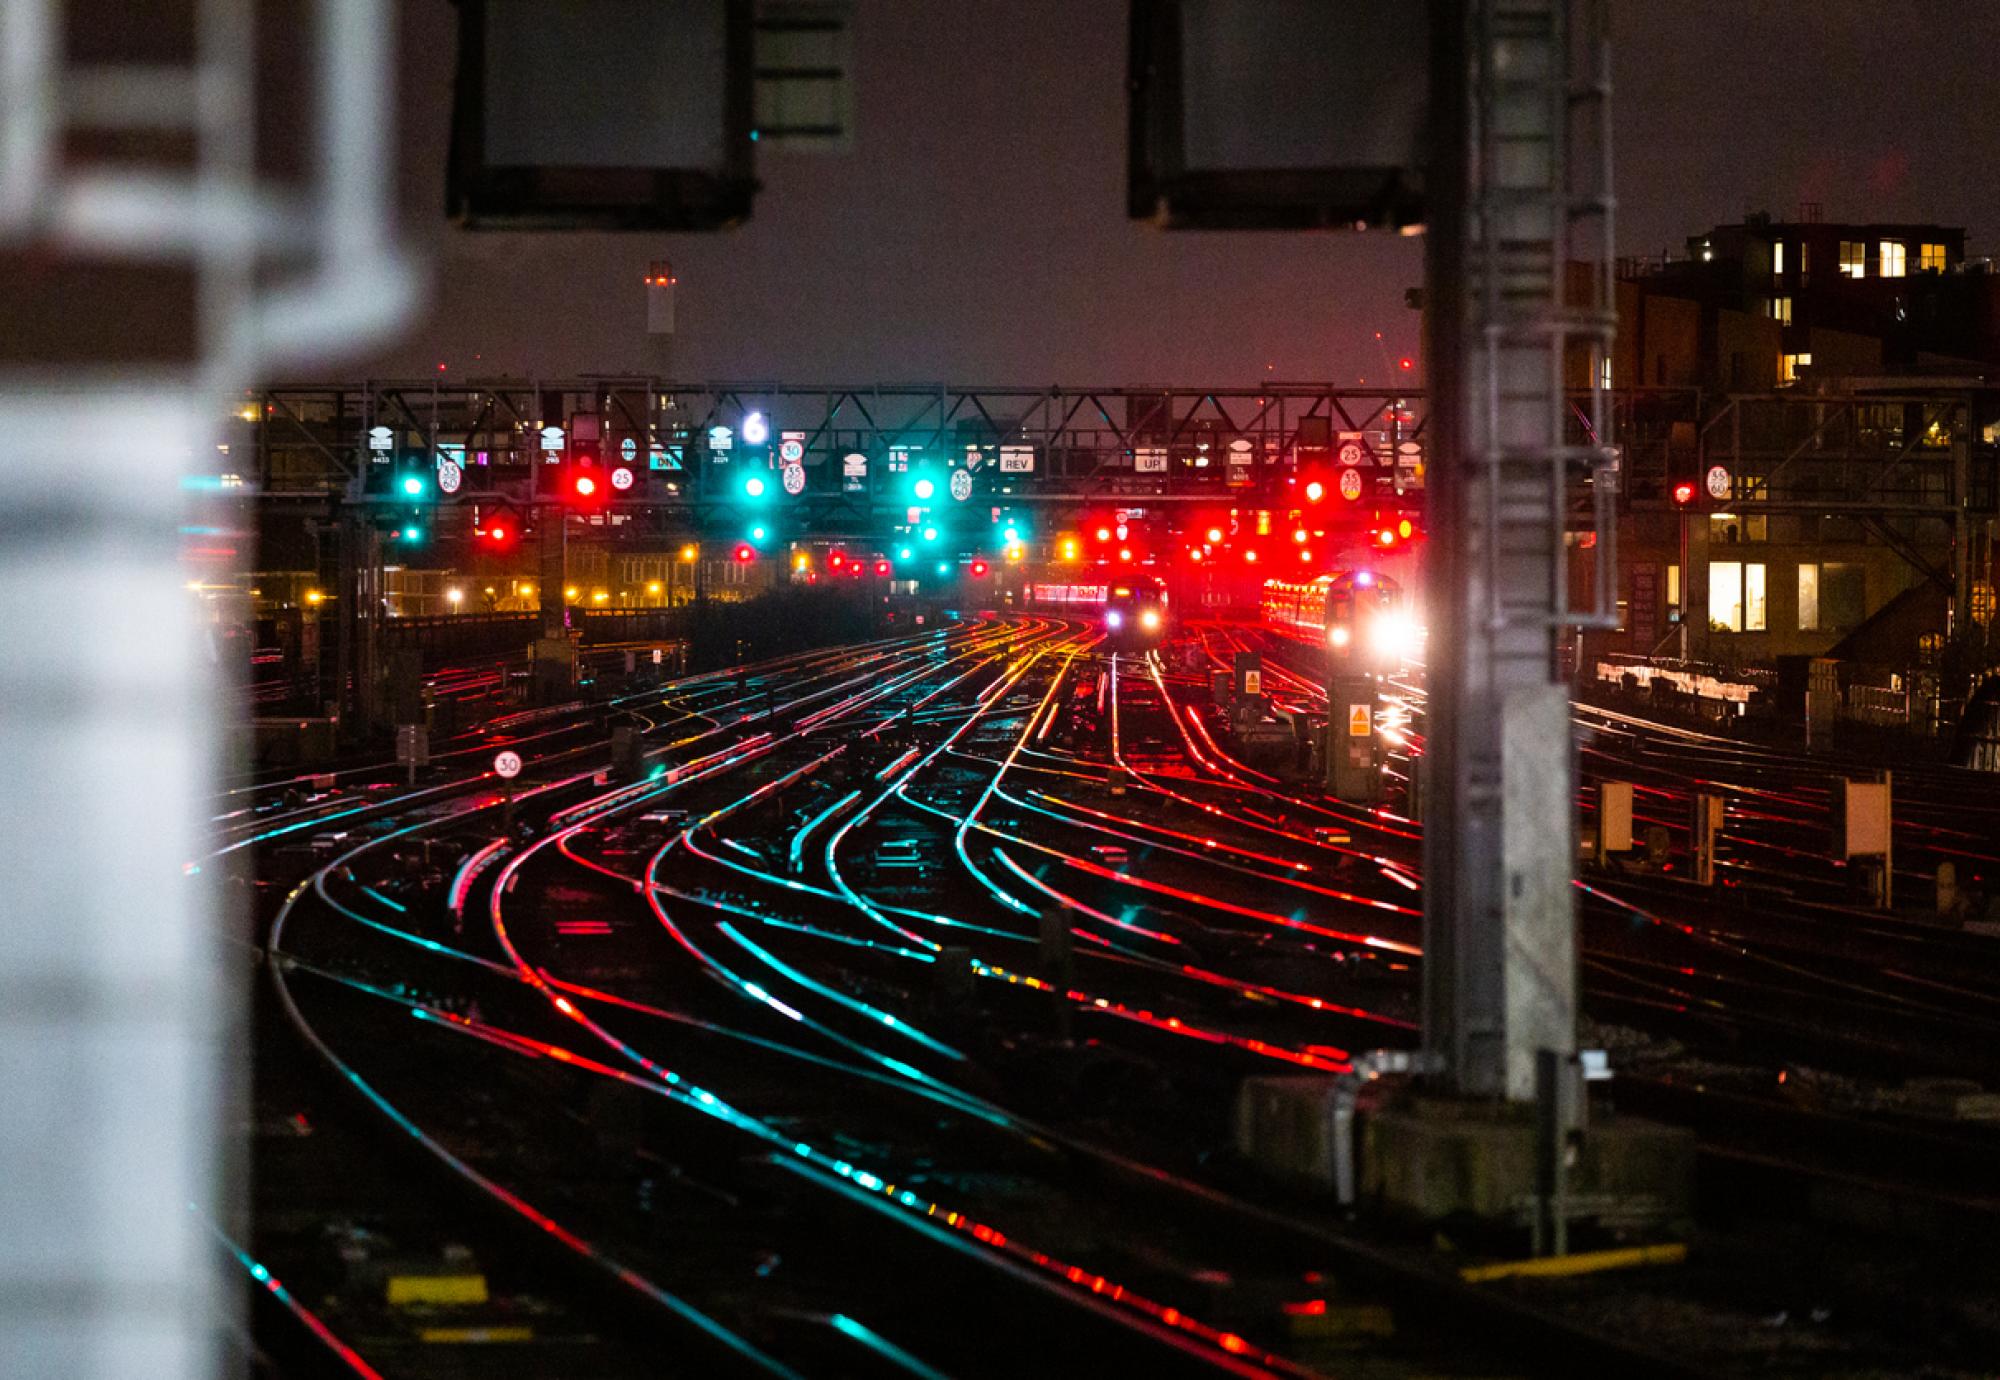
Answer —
(793, 477)
(1017, 459)
(621, 478)
(961, 485)
(507, 764)
(1352, 449)
(552, 438)
(381, 438)
(792, 449)
(449, 475)
(1350, 484)
(1717, 482)
(1149, 460)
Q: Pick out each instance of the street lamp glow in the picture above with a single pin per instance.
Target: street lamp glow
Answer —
(688, 552)
(652, 587)
(454, 596)
(314, 597)
(571, 592)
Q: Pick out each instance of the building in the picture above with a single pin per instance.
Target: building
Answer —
(1808, 424)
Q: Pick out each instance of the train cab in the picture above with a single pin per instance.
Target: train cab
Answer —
(1136, 611)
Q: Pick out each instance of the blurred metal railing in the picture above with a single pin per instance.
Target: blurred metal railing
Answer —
(117, 1001)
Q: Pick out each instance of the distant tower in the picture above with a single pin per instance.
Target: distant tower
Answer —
(660, 282)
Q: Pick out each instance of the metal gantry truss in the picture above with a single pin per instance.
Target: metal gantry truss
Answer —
(310, 442)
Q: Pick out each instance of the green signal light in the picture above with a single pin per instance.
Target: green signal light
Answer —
(412, 534)
(944, 568)
(754, 487)
(413, 485)
(904, 554)
(1012, 535)
(758, 533)
(930, 534)
(924, 488)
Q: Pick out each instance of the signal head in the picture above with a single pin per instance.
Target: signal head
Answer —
(1683, 492)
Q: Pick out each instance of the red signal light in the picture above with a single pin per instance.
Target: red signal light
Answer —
(881, 567)
(745, 552)
(978, 569)
(1406, 364)
(584, 486)
(836, 560)
(1104, 534)
(1683, 493)
(1315, 491)
(1385, 537)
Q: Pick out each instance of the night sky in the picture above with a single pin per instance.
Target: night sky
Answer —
(976, 233)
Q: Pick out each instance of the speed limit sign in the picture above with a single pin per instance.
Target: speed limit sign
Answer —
(794, 479)
(507, 764)
(791, 450)
(1352, 452)
(1350, 484)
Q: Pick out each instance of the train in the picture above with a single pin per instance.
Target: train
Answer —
(1135, 608)
(1362, 616)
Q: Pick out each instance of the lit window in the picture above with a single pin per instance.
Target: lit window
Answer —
(1674, 586)
(1735, 596)
(1853, 259)
(1894, 262)
(1778, 259)
(1727, 529)
(1781, 310)
(1789, 366)
(1604, 372)
(1808, 598)
(1725, 596)
(1805, 261)
(1930, 258)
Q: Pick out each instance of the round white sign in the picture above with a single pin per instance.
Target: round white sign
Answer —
(793, 477)
(621, 478)
(1718, 481)
(791, 451)
(628, 448)
(961, 485)
(507, 764)
(1351, 453)
(1350, 484)
(449, 476)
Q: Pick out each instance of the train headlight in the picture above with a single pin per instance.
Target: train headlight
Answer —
(1114, 620)
(1150, 620)
(1338, 635)
(1392, 635)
